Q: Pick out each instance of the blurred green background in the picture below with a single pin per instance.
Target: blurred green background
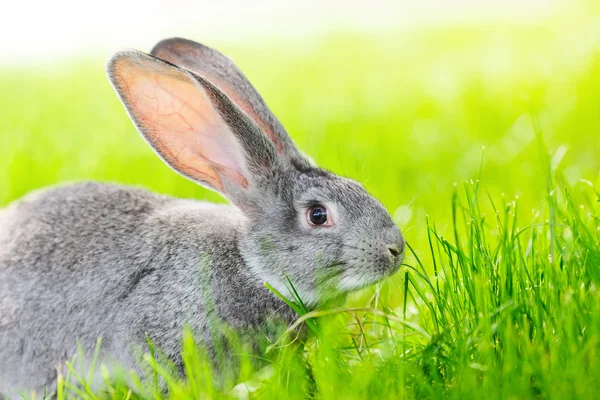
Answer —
(406, 112)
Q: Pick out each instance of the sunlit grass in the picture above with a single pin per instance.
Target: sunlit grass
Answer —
(498, 297)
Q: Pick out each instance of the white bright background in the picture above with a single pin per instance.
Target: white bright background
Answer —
(54, 29)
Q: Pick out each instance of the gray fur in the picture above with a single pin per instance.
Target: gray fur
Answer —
(86, 260)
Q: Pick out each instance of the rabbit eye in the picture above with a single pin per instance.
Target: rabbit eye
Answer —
(317, 215)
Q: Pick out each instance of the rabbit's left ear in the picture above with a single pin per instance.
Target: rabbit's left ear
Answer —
(226, 76)
(194, 127)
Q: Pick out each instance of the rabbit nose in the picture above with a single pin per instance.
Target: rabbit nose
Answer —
(394, 250)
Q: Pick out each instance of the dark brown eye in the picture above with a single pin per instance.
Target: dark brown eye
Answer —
(317, 215)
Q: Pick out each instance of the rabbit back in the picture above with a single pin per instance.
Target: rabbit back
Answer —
(91, 260)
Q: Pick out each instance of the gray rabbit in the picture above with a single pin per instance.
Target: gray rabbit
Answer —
(85, 260)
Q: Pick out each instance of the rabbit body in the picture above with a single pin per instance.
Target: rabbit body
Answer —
(90, 259)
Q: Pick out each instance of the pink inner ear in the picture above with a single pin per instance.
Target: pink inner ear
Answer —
(247, 108)
(181, 123)
(171, 54)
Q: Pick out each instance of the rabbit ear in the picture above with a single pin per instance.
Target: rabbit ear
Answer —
(224, 74)
(193, 127)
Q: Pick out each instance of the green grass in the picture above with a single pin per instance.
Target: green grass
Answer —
(499, 295)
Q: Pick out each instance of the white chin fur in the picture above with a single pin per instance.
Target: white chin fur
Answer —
(352, 282)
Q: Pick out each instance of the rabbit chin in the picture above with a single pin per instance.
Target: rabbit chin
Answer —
(335, 287)
(356, 279)
(353, 282)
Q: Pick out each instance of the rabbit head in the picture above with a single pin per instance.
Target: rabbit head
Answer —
(199, 113)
